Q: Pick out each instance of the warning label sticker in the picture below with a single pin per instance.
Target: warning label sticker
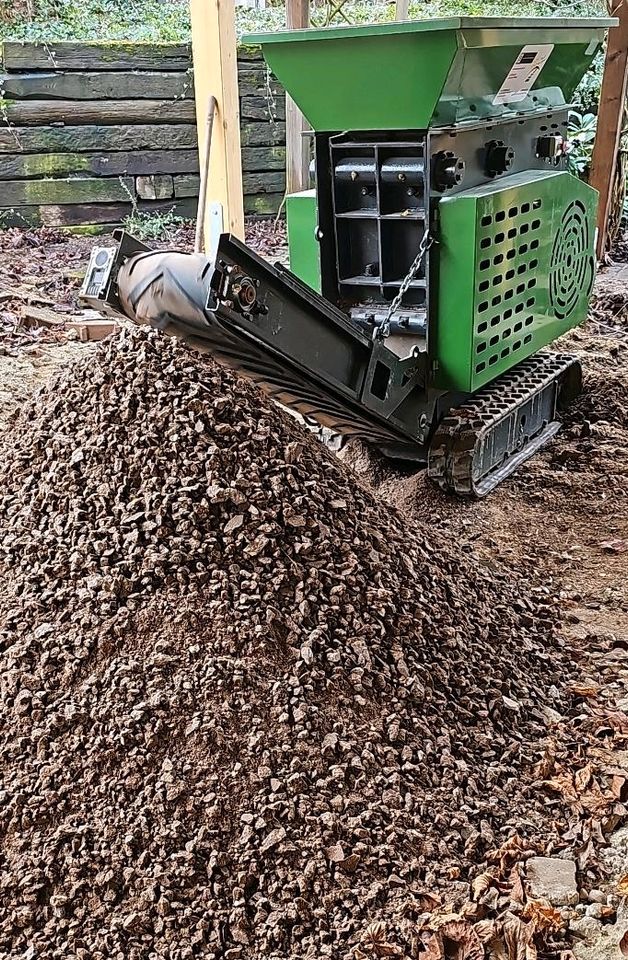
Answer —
(523, 73)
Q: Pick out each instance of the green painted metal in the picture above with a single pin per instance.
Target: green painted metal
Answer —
(516, 267)
(304, 251)
(412, 75)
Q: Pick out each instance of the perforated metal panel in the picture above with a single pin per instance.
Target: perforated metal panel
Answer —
(571, 267)
(516, 269)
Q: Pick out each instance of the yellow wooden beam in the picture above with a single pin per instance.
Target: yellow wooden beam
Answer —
(216, 74)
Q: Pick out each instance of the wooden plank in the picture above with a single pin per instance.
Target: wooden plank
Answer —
(253, 72)
(262, 134)
(30, 112)
(297, 147)
(249, 54)
(264, 182)
(262, 204)
(609, 121)
(258, 108)
(115, 137)
(25, 193)
(186, 186)
(103, 85)
(258, 158)
(122, 163)
(64, 55)
(156, 187)
(89, 213)
(215, 73)
(272, 181)
(259, 88)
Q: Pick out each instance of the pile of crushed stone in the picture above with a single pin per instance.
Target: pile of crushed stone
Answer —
(246, 710)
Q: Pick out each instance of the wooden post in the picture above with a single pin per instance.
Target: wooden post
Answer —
(401, 9)
(609, 120)
(297, 150)
(216, 74)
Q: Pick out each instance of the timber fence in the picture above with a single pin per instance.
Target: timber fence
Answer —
(89, 132)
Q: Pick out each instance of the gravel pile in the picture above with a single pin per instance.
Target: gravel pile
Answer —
(245, 710)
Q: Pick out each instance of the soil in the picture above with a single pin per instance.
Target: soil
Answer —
(555, 537)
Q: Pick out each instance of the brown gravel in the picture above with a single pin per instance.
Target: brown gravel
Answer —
(246, 710)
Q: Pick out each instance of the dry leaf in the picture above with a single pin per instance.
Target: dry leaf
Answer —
(542, 915)
(481, 884)
(374, 944)
(449, 935)
(582, 777)
(518, 938)
(618, 784)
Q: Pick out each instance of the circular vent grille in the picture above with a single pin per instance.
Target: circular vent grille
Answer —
(571, 267)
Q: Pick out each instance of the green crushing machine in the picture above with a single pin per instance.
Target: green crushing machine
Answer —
(444, 247)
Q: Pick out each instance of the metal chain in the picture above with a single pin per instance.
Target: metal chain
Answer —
(426, 242)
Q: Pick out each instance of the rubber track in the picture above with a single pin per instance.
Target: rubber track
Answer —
(460, 436)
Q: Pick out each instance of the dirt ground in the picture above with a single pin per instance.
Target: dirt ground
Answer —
(562, 520)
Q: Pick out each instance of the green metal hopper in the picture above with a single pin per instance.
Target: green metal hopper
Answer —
(429, 73)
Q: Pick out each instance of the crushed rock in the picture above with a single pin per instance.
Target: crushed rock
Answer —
(246, 709)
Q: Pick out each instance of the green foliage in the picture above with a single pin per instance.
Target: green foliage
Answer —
(587, 97)
(156, 20)
(152, 226)
(581, 133)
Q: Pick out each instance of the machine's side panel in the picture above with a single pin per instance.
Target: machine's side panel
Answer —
(456, 250)
(527, 275)
(301, 219)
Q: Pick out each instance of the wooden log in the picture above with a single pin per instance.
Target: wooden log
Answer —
(264, 182)
(262, 204)
(156, 187)
(257, 158)
(103, 85)
(259, 88)
(122, 163)
(30, 112)
(258, 108)
(25, 193)
(91, 213)
(186, 186)
(249, 54)
(103, 138)
(252, 72)
(262, 134)
(66, 55)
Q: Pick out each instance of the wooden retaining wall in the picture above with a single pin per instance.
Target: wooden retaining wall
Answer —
(88, 131)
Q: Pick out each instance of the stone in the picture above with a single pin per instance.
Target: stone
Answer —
(553, 879)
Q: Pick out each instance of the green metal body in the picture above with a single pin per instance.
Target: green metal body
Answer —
(417, 74)
(515, 272)
(303, 249)
(514, 263)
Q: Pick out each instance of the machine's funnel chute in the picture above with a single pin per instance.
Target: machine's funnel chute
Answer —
(417, 74)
